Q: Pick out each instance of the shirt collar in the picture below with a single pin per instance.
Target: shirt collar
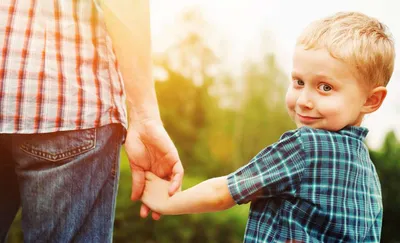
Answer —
(354, 131)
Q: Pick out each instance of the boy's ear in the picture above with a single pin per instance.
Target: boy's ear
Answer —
(374, 100)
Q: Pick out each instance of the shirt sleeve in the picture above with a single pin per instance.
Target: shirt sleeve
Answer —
(274, 171)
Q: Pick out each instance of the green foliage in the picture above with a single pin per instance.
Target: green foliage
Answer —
(15, 233)
(387, 162)
(262, 117)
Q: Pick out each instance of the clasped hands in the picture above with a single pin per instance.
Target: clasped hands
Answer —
(150, 149)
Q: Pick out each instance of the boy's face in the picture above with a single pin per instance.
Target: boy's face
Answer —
(324, 93)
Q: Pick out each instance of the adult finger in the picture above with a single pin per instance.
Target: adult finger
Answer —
(138, 182)
(144, 211)
(155, 215)
(177, 177)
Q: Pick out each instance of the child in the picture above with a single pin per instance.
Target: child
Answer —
(317, 183)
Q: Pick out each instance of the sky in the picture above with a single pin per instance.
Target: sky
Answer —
(243, 28)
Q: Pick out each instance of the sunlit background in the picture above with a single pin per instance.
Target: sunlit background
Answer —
(221, 70)
(243, 30)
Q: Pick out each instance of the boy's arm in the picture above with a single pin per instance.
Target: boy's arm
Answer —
(208, 196)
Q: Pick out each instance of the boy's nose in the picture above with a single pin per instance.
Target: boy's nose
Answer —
(304, 101)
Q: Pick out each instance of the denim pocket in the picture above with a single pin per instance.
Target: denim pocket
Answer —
(59, 146)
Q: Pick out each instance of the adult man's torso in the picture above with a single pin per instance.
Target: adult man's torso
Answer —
(57, 68)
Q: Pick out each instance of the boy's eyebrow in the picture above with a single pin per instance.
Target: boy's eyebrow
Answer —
(325, 78)
(321, 76)
(295, 74)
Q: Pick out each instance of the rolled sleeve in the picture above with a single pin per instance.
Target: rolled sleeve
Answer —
(276, 170)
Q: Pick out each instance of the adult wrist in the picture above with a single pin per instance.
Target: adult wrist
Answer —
(144, 115)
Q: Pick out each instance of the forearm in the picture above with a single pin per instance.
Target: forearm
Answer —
(209, 196)
(128, 24)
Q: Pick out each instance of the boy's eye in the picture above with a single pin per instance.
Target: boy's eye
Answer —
(300, 82)
(324, 87)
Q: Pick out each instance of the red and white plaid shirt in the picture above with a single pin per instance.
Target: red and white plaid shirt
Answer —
(57, 69)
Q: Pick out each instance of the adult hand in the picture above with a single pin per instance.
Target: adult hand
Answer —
(149, 148)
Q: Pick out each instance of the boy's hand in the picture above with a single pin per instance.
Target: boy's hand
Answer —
(155, 194)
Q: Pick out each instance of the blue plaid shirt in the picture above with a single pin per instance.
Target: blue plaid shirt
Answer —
(311, 186)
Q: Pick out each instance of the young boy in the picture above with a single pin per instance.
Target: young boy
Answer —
(317, 183)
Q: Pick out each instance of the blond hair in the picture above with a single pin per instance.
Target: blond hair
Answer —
(358, 40)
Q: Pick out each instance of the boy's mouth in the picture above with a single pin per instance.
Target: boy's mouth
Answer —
(307, 119)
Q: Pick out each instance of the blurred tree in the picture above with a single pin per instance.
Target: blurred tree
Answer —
(215, 127)
(187, 108)
(387, 162)
(262, 117)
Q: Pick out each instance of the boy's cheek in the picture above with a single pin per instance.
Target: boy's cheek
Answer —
(290, 100)
(331, 106)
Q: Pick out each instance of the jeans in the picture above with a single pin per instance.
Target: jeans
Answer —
(65, 182)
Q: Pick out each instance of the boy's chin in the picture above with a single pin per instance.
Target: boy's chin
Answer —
(314, 126)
